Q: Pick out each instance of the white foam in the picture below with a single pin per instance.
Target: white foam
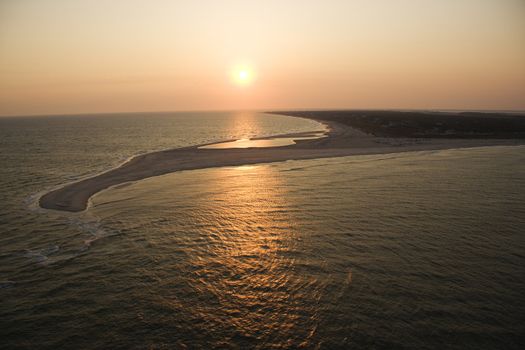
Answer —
(93, 227)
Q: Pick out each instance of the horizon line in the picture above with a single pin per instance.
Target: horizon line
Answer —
(266, 110)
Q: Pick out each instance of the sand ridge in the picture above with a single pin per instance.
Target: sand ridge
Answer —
(341, 140)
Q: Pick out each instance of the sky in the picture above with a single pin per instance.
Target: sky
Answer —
(90, 56)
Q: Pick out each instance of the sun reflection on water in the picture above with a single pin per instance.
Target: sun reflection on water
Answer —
(248, 267)
(244, 123)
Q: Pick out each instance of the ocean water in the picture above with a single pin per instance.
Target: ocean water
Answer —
(420, 250)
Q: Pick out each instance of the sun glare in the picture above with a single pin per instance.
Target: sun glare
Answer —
(242, 76)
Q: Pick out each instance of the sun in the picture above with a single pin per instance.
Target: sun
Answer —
(243, 76)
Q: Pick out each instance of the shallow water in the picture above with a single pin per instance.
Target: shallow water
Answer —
(419, 250)
(262, 143)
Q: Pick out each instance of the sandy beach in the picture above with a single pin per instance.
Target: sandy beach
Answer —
(340, 140)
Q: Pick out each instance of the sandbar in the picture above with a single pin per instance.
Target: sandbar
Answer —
(341, 140)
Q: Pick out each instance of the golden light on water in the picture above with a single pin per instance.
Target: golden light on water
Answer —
(248, 260)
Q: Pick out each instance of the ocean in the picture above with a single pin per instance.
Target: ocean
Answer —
(416, 250)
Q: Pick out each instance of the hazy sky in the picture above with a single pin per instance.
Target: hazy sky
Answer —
(74, 56)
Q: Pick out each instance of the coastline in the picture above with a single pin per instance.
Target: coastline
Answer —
(341, 140)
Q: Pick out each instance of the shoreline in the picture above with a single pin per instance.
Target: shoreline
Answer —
(341, 140)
